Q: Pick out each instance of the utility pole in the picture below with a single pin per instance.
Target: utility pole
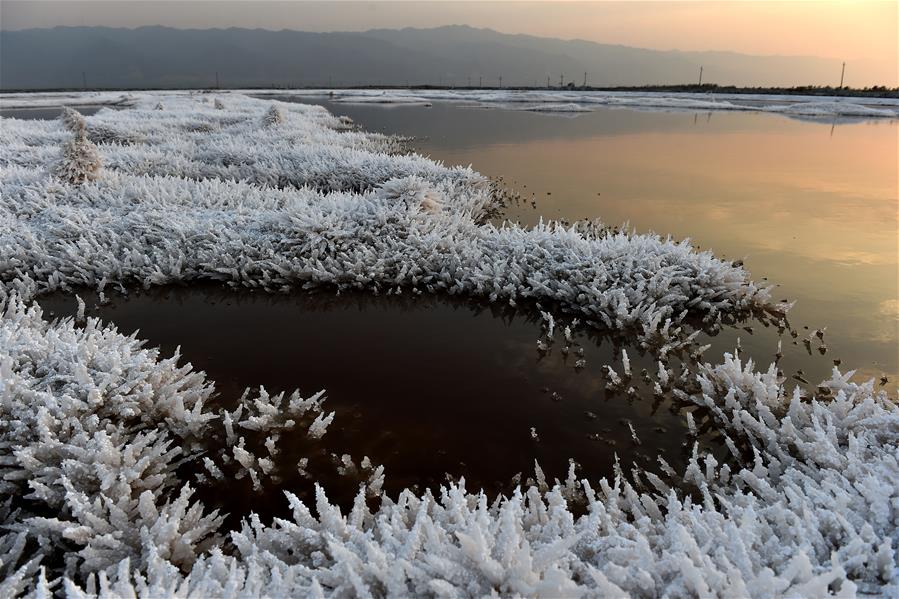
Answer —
(700, 76)
(83, 80)
(561, 80)
(500, 81)
(547, 82)
(843, 74)
(585, 78)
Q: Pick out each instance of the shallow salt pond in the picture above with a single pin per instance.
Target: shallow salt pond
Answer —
(423, 385)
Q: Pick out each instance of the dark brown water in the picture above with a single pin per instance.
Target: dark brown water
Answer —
(423, 385)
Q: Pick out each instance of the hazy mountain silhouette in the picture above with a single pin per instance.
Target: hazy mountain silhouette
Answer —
(167, 57)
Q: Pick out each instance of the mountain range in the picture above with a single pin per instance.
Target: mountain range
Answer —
(163, 57)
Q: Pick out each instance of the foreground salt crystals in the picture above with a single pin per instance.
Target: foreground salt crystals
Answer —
(95, 430)
(93, 427)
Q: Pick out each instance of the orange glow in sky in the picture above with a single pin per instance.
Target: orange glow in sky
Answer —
(863, 33)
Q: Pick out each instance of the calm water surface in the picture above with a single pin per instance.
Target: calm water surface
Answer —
(423, 385)
(811, 205)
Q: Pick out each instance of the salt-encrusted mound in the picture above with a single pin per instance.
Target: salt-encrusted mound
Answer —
(195, 140)
(96, 433)
(408, 234)
(79, 160)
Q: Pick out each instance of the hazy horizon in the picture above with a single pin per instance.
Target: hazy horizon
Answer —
(860, 33)
(71, 57)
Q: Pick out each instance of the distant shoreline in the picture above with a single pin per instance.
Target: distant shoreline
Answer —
(849, 92)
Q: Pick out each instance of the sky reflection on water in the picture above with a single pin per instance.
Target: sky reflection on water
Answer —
(812, 205)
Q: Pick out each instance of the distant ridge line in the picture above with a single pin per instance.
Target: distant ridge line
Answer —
(171, 58)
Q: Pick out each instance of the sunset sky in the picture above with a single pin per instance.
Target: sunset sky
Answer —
(863, 33)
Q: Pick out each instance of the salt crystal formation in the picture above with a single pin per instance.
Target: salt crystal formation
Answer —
(80, 159)
(94, 428)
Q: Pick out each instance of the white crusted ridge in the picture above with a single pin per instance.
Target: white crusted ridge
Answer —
(196, 140)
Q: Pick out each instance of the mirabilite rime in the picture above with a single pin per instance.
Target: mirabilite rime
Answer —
(96, 431)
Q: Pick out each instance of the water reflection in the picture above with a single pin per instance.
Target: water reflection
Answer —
(423, 385)
(813, 206)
